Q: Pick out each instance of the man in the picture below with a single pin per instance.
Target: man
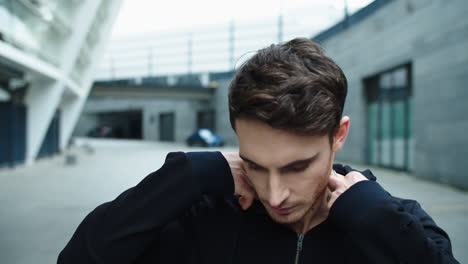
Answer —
(279, 200)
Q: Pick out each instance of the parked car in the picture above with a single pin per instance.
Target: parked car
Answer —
(205, 138)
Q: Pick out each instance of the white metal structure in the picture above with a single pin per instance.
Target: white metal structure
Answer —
(56, 44)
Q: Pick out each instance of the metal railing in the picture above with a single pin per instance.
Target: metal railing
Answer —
(217, 48)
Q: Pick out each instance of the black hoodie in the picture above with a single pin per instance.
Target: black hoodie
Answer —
(185, 212)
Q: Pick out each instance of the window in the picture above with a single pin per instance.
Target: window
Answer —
(389, 112)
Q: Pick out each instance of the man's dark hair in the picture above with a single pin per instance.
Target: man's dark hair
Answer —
(291, 86)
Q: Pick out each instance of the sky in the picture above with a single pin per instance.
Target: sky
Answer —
(142, 16)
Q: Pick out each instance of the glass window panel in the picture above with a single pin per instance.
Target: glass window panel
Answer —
(373, 120)
(399, 119)
(410, 135)
(390, 142)
(410, 114)
(398, 153)
(398, 134)
(385, 139)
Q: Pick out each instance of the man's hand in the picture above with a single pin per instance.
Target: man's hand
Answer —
(338, 184)
(242, 184)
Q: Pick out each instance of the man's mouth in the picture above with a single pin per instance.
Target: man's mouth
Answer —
(281, 210)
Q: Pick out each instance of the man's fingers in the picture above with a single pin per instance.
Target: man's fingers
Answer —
(336, 186)
(355, 177)
(334, 182)
(246, 201)
(248, 195)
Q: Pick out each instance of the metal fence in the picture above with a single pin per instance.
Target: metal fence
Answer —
(213, 48)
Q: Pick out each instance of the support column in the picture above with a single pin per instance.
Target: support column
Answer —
(42, 99)
(71, 108)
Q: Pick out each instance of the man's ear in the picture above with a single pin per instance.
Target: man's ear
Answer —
(341, 134)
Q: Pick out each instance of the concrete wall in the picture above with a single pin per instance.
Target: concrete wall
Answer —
(185, 111)
(433, 36)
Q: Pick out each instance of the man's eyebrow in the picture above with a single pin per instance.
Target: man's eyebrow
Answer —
(290, 164)
(249, 161)
(307, 160)
(252, 162)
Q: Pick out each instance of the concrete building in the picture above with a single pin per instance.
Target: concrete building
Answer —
(406, 62)
(48, 50)
(160, 109)
(164, 108)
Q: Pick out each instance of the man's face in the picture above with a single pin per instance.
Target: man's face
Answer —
(289, 172)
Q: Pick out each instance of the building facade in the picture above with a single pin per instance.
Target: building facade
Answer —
(148, 109)
(48, 52)
(406, 62)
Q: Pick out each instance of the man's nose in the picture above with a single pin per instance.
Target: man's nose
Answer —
(278, 191)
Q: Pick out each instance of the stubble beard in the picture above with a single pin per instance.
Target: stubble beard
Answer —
(296, 215)
(301, 213)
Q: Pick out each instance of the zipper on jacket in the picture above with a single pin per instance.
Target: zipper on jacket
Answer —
(299, 247)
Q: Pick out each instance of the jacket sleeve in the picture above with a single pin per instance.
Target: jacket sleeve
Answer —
(389, 229)
(121, 230)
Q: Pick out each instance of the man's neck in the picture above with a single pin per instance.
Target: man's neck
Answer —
(317, 214)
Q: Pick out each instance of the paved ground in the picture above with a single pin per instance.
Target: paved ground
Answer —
(41, 205)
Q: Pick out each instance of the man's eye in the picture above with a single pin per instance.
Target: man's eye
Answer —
(253, 166)
(299, 168)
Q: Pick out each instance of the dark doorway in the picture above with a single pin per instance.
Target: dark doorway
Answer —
(206, 119)
(166, 126)
(12, 133)
(135, 126)
(125, 124)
